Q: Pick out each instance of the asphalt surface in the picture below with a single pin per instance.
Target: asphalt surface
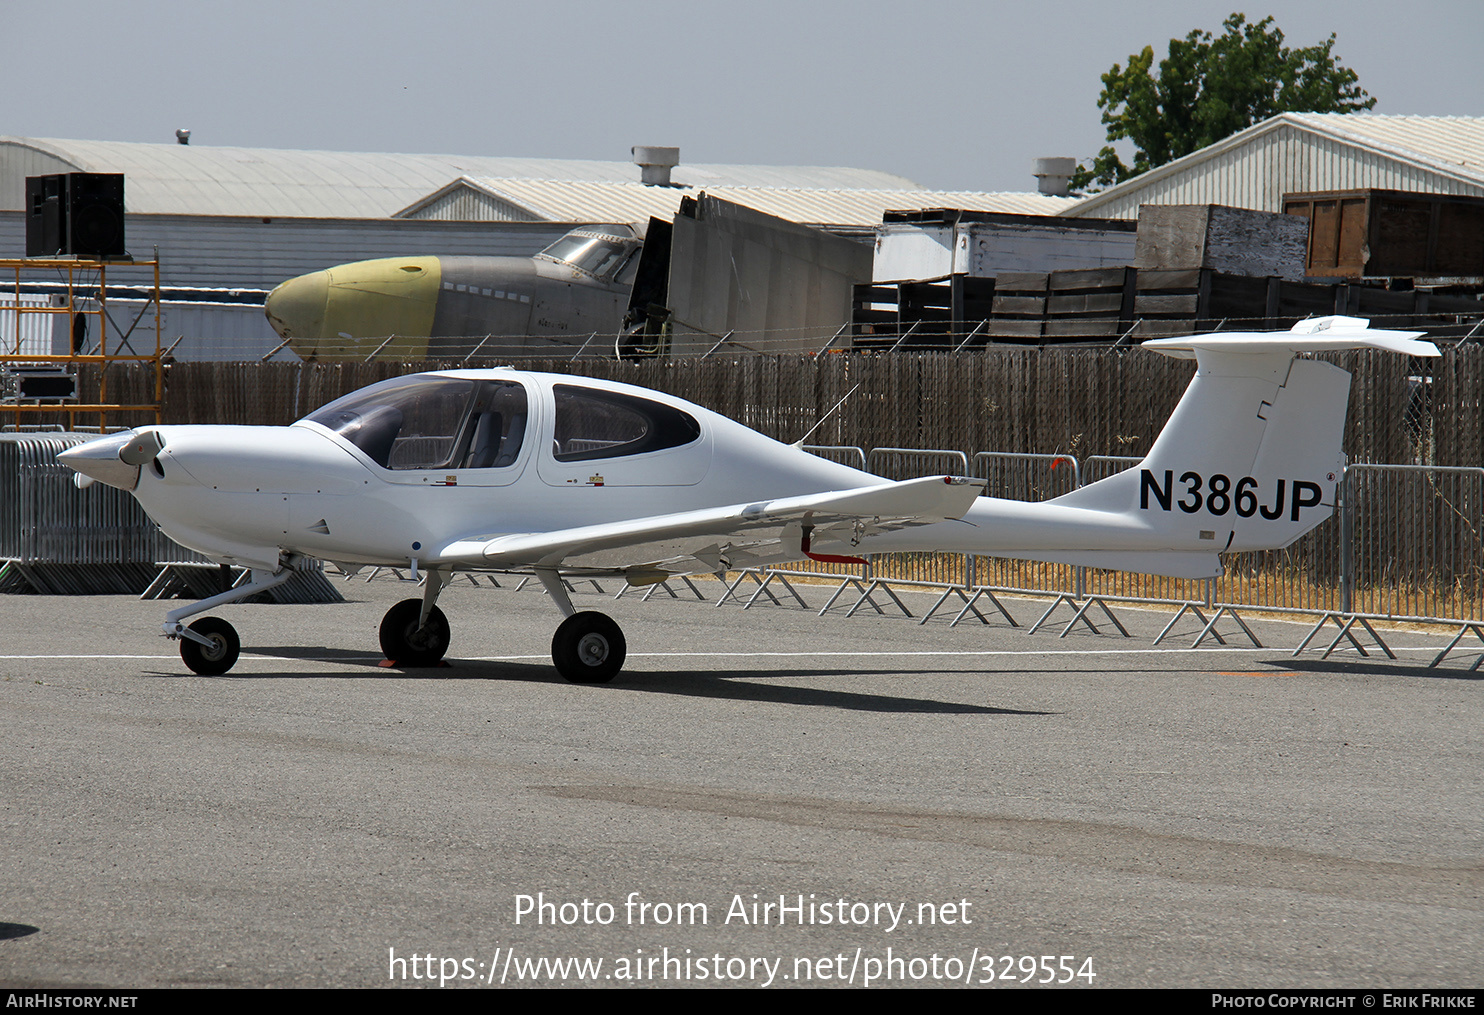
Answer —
(931, 805)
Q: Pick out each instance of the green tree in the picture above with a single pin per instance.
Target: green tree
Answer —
(1208, 88)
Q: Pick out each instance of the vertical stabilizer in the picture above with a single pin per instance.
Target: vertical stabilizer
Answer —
(1252, 454)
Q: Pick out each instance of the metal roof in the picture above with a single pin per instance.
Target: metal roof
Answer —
(1452, 145)
(180, 179)
(511, 199)
(1296, 152)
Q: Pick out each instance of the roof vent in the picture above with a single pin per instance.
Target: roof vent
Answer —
(1054, 176)
(182, 136)
(655, 164)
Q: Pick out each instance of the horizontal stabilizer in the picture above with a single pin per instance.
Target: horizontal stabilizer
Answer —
(1324, 334)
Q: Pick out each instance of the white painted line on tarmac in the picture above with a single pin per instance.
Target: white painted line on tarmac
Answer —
(975, 654)
(176, 657)
(88, 657)
(986, 653)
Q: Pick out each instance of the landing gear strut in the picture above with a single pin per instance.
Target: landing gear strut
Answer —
(210, 646)
(408, 643)
(415, 632)
(588, 647)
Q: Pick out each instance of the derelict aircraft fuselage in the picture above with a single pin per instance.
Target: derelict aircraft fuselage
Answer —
(427, 307)
(510, 471)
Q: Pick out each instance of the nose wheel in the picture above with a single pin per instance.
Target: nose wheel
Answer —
(210, 645)
(219, 653)
(588, 648)
(406, 643)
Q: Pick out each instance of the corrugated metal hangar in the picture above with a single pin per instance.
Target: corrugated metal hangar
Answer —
(253, 217)
(1395, 231)
(184, 179)
(1303, 152)
(246, 219)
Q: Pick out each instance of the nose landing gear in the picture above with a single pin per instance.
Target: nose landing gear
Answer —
(210, 646)
(218, 654)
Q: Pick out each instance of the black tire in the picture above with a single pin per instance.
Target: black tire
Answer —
(588, 648)
(404, 644)
(220, 657)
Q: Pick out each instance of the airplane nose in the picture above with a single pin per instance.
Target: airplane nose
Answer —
(99, 460)
(296, 309)
(323, 313)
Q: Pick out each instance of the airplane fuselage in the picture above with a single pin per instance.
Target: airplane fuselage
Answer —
(442, 306)
(251, 495)
(504, 470)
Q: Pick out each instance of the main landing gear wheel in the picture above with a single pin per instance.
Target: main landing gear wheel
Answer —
(588, 648)
(220, 656)
(404, 644)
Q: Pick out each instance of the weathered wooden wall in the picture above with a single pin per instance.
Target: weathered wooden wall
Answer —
(1079, 401)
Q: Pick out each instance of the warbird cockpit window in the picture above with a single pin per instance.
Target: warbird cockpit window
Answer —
(592, 424)
(596, 255)
(425, 422)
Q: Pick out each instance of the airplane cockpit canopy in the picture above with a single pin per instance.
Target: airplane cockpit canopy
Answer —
(601, 251)
(430, 422)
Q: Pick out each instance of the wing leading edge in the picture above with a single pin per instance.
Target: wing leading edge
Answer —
(651, 549)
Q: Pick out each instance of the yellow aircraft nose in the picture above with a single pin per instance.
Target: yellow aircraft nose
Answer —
(332, 314)
(296, 309)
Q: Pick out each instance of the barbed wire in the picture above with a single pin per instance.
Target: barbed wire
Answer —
(967, 337)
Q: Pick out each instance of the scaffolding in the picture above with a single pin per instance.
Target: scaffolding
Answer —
(93, 340)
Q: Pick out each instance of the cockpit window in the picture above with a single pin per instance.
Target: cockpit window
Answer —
(593, 424)
(427, 422)
(595, 255)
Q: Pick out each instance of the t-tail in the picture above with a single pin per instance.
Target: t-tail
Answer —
(1249, 460)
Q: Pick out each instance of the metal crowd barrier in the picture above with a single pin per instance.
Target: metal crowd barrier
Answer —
(1409, 549)
(845, 454)
(1406, 543)
(45, 518)
(198, 581)
(1412, 541)
(909, 463)
(1032, 477)
(57, 539)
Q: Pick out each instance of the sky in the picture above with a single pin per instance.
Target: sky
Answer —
(954, 95)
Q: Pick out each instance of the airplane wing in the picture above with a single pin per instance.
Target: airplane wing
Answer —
(651, 549)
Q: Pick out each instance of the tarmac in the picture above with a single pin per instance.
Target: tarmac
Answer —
(762, 798)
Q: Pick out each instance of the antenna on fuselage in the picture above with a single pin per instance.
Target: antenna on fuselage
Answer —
(800, 442)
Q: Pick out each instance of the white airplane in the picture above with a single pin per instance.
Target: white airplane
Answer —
(561, 477)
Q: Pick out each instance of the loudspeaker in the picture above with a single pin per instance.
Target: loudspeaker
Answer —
(44, 215)
(75, 214)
